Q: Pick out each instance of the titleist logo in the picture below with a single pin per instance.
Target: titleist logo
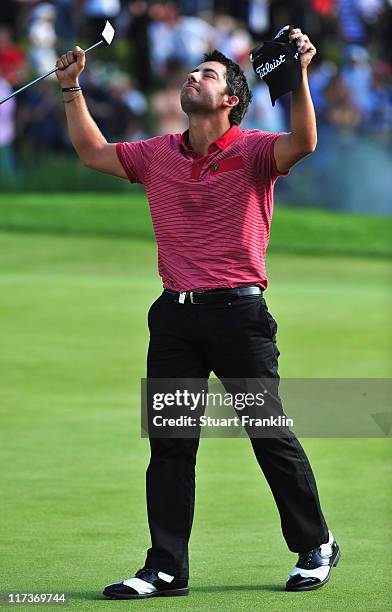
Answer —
(267, 67)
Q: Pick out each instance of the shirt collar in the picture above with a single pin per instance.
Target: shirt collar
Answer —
(220, 144)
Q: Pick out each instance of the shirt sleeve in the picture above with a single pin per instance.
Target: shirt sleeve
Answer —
(265, 158)
(135, 158)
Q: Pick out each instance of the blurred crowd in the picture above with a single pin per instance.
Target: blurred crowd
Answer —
(132, 87)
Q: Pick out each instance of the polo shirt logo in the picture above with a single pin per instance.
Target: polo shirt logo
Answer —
(225, 165)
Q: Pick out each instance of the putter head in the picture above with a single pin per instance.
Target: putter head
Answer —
(108, 33)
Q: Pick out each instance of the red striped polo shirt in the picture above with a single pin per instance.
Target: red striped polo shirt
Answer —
(211, 215)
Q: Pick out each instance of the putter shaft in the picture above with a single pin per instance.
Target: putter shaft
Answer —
(43, 76)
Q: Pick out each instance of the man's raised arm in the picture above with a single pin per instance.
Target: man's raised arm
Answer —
(90, 144)
(302, 140)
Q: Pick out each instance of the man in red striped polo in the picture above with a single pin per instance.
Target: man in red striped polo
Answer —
(210, 192)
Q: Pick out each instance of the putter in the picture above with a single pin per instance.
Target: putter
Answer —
(107, 36)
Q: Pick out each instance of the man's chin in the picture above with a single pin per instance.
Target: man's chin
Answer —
(187, 105)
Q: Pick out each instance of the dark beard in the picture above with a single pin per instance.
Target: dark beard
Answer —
(188, 105)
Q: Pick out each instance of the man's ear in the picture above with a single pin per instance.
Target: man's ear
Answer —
(231, 101)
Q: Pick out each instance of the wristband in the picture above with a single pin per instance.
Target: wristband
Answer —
(77, 88)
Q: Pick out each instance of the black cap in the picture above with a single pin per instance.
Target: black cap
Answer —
(278, 63)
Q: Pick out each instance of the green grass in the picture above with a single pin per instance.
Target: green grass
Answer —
(73, 346)
(58, 172)
(293, 230)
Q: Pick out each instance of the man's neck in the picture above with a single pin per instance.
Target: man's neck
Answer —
(204, 131)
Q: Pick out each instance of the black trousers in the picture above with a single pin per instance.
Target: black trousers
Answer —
(233, 339)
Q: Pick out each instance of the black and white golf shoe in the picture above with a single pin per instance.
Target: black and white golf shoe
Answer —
(147, 583)
(313, 568)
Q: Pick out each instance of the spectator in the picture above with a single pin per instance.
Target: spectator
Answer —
(127, 110)
(12, 58)
(371, 9)
(261, 115)
(169, 116)
(96, 89)
(341, 111)
(44, 119)
(96, 12)
(259, 16)
(357, 75)
(323, 7)
(319, 78)
(101, 9)
(351, 24)
(7, 132)
(10, 11)
(193, 36)
(132, 97)
(42, 37)
(158, 41)
(66, 22)
(137, 33)
(196, 7)
(237, 45)
(173, 37)
(381, 119)
(238, 10)
(224, 26)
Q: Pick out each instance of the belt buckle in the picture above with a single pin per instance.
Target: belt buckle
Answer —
(191, 296)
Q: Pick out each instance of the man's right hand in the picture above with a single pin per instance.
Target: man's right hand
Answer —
(70, 65)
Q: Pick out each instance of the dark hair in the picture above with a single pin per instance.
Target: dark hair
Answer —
(236, 83)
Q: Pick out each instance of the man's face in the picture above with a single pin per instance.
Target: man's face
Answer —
(205, 89)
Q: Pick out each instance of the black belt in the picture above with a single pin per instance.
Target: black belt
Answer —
(213, 295)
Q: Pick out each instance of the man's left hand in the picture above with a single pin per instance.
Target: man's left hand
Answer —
(306, 50)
